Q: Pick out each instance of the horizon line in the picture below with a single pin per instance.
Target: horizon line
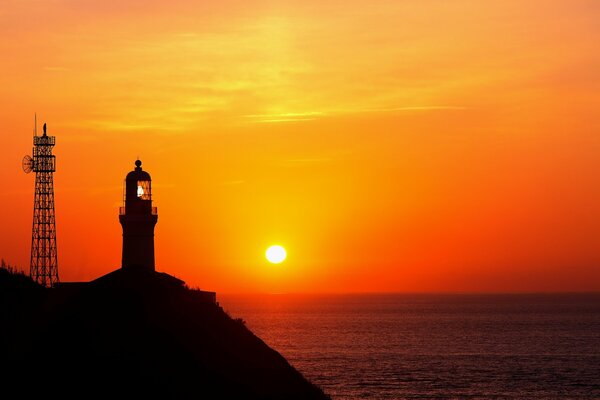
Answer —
(424, 293)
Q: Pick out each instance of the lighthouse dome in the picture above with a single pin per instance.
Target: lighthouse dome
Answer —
(138, 174)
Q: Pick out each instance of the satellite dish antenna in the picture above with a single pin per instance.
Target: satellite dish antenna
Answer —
(27, 164)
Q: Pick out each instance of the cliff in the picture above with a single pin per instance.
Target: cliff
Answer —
(134, 334)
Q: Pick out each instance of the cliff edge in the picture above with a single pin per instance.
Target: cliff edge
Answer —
(134, 333)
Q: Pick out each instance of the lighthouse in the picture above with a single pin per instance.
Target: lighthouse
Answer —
(138, 218)
(137, 274)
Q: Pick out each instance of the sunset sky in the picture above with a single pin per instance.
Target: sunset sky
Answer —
(413, 145)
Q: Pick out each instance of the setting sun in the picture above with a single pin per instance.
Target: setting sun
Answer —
(396, 146)
(432, 166)
(276, 254)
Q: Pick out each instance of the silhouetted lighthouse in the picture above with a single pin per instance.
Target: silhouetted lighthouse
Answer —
(138, 219)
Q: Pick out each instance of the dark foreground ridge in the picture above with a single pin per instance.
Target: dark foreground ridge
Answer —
(133, 332)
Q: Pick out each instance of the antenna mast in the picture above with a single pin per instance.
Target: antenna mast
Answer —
(44, 264)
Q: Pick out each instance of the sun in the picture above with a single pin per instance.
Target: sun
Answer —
(276, 254)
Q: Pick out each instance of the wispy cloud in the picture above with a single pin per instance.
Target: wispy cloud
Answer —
(285, 120)
(284, 117)
(115, 125)
(313, 115)
(421, 108)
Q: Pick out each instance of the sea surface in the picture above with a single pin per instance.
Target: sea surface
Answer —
(395, 346)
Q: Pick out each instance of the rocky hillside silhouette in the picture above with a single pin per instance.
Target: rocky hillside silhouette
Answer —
(133, 333)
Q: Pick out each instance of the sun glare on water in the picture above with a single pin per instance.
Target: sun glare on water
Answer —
(276, 254)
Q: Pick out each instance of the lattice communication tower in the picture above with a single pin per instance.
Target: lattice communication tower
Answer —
(44, 263)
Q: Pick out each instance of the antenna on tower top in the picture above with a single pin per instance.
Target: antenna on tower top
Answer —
(43, 262)
(35, 124)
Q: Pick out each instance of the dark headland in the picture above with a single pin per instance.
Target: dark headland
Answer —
(133, 332)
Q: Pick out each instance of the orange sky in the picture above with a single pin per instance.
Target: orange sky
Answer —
(414, 145)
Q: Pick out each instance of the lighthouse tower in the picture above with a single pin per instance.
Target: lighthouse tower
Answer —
(138, 218)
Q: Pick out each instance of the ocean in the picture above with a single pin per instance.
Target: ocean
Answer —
(396, 346)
